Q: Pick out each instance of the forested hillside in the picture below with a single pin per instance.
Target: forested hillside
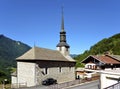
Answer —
(111, 44)
(9, 50)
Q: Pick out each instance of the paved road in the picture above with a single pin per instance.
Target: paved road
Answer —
(37, 87)
(90, 85)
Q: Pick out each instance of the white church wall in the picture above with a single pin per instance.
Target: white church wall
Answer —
(66, 75)
(54, 70)
(63, 50)
(13, 79)
(33, 74)
(26, 73)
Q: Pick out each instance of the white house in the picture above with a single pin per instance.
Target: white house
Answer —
(108, 66)
(109, 78)
(96, 62)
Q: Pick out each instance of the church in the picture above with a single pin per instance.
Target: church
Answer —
(38, 64)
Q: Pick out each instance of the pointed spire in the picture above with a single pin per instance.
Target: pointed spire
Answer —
(62, 24)
(63, 42)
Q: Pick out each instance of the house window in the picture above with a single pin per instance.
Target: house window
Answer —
(60, 69)
(88, 66)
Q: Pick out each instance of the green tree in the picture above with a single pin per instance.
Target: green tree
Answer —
(111, 44)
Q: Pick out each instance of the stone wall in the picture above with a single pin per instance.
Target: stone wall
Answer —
(33, 73)
(63, 73)
(26, 73)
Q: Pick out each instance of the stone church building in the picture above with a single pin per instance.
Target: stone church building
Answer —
(38, 64)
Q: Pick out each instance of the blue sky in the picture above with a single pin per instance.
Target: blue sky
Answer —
(39, 21)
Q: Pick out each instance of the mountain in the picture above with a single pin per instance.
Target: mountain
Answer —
(73, 55)
(9, 50)
(111, 45)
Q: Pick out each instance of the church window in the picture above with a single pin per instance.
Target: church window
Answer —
(69, 68)
(66, 49)
(60, 69)
(46, 70)
(60, 48)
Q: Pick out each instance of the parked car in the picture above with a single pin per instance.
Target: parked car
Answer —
(49, 81)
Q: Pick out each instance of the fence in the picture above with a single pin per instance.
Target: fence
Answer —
(115, 86)
(71, 83)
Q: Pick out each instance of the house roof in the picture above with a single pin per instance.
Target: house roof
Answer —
(107, 59)
(102, 58)
(37, 53)
(117, 57)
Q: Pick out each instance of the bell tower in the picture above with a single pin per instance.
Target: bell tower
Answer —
(62, 46)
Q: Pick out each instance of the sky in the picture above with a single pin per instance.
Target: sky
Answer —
(39, 22)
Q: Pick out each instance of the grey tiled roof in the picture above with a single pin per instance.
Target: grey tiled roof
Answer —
(37, 53)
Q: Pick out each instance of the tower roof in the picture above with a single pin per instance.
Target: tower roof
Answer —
(62, 34)
(63, 44)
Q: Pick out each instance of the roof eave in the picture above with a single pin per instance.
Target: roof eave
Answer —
(93, 57)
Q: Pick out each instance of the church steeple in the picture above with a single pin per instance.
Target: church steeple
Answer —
(62, 46)
(62, 22)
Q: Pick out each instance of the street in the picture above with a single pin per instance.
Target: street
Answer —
(87, 85)
(90, 85)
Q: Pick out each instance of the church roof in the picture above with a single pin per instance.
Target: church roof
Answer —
(37, 53)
